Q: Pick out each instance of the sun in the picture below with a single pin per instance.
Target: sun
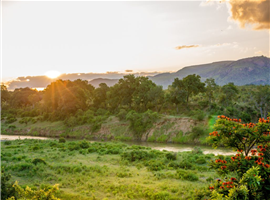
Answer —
(52, 74)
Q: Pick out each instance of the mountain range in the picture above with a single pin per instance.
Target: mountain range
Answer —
(253, 70)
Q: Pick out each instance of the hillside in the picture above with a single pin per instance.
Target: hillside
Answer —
(255, 70)
(109, 82)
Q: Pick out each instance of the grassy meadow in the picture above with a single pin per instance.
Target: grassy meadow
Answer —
(106, 170)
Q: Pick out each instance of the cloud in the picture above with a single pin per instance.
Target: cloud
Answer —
(254, 12)
(186, 47)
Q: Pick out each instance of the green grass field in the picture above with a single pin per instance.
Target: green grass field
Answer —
(107, 170)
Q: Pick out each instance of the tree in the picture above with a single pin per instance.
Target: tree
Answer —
(142, 94)
(122, 92)
(134, 92)
(229, 93)
(22, 97)
(64, 97)
(210, 88)
(100, 95)
(250, 166)
(184, 89)
(156, 97)
(5, 96)
(261, 99)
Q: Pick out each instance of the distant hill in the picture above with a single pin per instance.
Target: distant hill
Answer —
(109, 82)
(255, 70)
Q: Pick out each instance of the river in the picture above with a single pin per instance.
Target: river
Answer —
(153, 145)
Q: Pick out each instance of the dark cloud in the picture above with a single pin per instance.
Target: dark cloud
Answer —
(186, 47)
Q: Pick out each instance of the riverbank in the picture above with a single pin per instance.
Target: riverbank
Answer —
(154, 145)
(168, 129)
(107, 170)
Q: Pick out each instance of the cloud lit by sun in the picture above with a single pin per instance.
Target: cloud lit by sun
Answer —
(52, 74)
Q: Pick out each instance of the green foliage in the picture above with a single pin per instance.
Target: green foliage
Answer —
(122, 114)
(171, 156)
(35, 161)
(198, 115)
(141, 122)
(135, 155)
(186, 175)
(6, 187)
(250, 166)
(7, 142)
(182, 90)
(29, 194)
(197, 132)
(84, 144)
(62, 140)
(10, 119)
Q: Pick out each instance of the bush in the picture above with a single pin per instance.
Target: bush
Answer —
(141, 122)
(84, 144)
(7, 142)
(201, 161)
(22, 166)
(155, 165)
(122, 114)
(186, 175)
(6, 188)
(197, 132)
(62, 140)
(185, 165)
(11, 120)
(198, 115)
(171, 156)
(38, 160)
(12, 127)
(135, 155)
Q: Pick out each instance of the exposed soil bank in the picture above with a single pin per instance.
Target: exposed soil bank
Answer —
(168, 129)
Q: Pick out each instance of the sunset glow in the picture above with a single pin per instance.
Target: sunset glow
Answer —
(52, 74)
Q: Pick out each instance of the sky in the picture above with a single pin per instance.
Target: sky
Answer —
(114, 36)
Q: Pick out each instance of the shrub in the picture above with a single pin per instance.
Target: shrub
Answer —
(10, 120)
(92, 149)
(22, 166)
(122, 114)
(141, 122)
(155, 165)
(197, 132)
(84, 144)
(6, 187)
(201, 160)
(73, 146)
(186, 175)
(135, 155)
(62, 140)
(12, 127)
(185, 165)
(250, 166)
(171, 156)
(38, 160)
(197, 150)
(7, 142)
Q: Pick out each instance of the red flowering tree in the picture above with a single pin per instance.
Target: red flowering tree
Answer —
(248, 172)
